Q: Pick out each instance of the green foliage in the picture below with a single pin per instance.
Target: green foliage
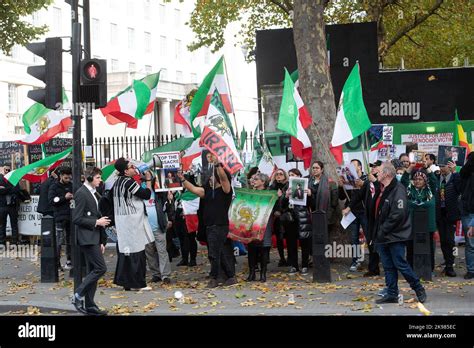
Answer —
(13, 29)
(425, 33)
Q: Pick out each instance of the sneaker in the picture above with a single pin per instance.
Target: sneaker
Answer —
(304, 271)
(383, 292)
(182, 263)
(212, 283)
(292, 271)
(68, 265)
(230, 281)
(192, 263)
(147, 288)
(421, 295)
(353, 267)
(387, 299)
(371, 274)
(469, 275)
(155, 279)
(166, 280)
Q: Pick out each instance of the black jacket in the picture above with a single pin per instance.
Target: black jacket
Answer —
(85, 215)
(8, 194)
(301, 216)
(43, 202)
(57, 199)
(364, 197)
(452, 199)
(392, 218)
(467, 190)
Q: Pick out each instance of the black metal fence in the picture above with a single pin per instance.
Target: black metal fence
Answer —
(107, 149)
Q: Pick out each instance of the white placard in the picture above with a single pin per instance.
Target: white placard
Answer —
(347, 220)
(29, 221)
(298, 188)
(169, 160)
(387, 135)
(428, 143)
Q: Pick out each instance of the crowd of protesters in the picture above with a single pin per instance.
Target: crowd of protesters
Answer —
(150, 228)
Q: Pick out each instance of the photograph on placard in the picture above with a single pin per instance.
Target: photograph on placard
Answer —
(456, 154)
(298, 188)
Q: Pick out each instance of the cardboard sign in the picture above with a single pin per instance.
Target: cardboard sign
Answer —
(456, 154)
(387, 135)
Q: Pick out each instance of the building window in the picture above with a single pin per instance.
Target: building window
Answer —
(132, 67)
(147, 8)
(179, 76)
(113, 33)
(115, 64)
(162, 14)
(177, 49)
(193, 78)
(164, 74)
(163, 46)
(131, 38)
(177, 17)
(207, 56)
(95, 30)
(57, 20)
(148, 69)
(147, 42)
(12, 98)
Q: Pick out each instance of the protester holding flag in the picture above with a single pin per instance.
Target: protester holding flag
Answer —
(8, 207)
(60, 195)
(217, 197)
(260, 250)
(188, 205)
(467, 211)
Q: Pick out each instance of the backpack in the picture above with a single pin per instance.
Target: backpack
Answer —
(106, 206)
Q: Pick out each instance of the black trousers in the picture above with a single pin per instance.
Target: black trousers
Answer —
(63, 236)
(96, 268)
(374, 259)
(446, 231)
(220, 251)
(12, 212)
(291, 234)
(188, 245)
(410, 256)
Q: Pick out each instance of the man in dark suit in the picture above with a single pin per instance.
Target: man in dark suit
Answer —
(92, 239)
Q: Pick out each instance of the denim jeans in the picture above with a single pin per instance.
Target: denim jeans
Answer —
(393, 260)
(469, 243)
(354, 227)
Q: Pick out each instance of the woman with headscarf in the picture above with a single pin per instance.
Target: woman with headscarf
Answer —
(421, 194)
(323, 193)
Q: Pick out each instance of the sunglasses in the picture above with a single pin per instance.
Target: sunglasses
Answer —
(280, 174)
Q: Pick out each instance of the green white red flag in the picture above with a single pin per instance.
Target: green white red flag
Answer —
(134, 102)
(37, 171)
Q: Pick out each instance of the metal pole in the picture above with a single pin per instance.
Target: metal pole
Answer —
(76, 51)
(87, 55)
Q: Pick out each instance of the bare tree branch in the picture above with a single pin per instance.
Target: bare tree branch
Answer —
(409, 27)
(281, 6)
(411, 39)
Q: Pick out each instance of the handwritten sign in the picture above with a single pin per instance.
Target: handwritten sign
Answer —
(387, 135)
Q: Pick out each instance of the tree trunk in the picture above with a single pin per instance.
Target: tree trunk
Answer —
(314, 78)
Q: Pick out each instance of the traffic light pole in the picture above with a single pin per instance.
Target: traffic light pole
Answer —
(87, 55)
(76, 51)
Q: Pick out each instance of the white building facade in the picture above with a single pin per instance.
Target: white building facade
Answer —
(136, 37)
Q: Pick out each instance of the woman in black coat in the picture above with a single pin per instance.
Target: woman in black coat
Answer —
(299, 229)
(279, 183)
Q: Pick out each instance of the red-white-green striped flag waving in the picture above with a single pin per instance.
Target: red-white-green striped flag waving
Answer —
(133, 103)
(37, 171)
(42, 124)
(215, 79)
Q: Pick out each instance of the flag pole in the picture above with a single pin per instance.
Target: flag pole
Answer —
(230, 95)
(365, 153)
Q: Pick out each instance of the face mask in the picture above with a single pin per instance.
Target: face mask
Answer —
(399, 177)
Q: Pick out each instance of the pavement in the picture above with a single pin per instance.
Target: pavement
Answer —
(22, 293)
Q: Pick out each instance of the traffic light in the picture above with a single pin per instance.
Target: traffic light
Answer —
(93, 87)
(51, 73)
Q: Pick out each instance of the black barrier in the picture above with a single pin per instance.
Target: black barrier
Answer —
(421, 244)
(49, 262)
(321, 266)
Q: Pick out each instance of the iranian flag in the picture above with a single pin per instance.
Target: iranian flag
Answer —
(217, 136)
(109, 175)
(261, 157)
(215, 79)
(42, 124)
(352, 118)
(133, 103)
(190, 203)
(295, 120)
(182, 118)
(37, 171)
(459, 137)
(191, 153)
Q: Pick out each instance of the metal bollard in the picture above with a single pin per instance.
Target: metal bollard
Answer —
(321, 266)
(421, 244)
(49, 261)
